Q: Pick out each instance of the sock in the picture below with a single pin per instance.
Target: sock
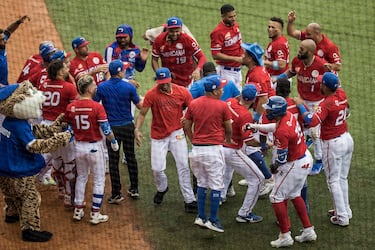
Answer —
(202, 192)
(300, 207)
(214, 204)
(304, 196)
(281, 212)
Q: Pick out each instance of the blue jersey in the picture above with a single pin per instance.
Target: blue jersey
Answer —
(4, 63)
(230, 89)
(131, 55)
(16, 160)
(116, 96)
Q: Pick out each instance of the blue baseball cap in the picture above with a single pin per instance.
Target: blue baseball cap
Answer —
(163, 75)
(46, 49)
(124, 30)
(174, 22)
(249, 92)
(255, 50)
(79, 42)
(213, 82)
(116, 66)
(330, 80)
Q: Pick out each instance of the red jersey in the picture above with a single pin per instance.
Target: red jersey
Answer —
(178, 56)
(58, 95)
(85, 116)
(166, 109)
(331, 114)
(325, 49)
(278, 49)
(292, 108)
(308, 85)
(226, 40)
(240, 116)
(39, 77)
(208, 115)
(79, 67)
(262, 79)
(288, 135)
(32, 66)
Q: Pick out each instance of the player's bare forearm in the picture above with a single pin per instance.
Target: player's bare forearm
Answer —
(11, 28)
(228, 131)
(225, 58)
(155, 63)
(188, 129)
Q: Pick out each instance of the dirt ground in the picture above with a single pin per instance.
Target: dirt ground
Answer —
(123, 230)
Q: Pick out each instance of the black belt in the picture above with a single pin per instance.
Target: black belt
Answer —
(232, 68)
(204, 145)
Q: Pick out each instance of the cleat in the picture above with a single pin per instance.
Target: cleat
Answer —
(308, 234)
(267, 187)
(215, 226)
(242, 182)
(78, 214)
(115, 199)
(200, 222)
(133, 193)
(252, 218)
(158, 198)
(97, 218)
(336, 221)
(191, 207)
(231, 192)
(284, 240)
(317, 167)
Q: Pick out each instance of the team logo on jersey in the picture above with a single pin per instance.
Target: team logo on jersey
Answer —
(320, 53)
(280, 52)
(335, 55)
(73, 109)
(227, 36)
(95, 60)
(179, 46)
(315, 73)
(132, 54)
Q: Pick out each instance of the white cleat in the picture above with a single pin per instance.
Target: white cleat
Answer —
(78, 214)
(284, 240)
(97, 218)
(308, 234)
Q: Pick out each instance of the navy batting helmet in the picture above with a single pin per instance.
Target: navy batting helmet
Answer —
(275, 107)
(46, 49)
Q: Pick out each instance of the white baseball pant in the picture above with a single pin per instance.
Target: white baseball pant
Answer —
(337, 155)
(235, 76)
(176, 144)
(290, 178)
(207, 164)
(90, 156)
(236, 160)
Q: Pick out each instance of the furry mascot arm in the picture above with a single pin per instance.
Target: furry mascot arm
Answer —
(43, 131)
(51, 144)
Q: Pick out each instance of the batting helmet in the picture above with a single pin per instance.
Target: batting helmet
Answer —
(46, 49)
(249, 92)
(59, 55)
(275, 107)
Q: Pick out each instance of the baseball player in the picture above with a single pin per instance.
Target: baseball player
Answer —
(177, 51)
(117, 94)
(236, 160)
(167, 101)
(86, 62)
(307, 67)
(337, 143)
(226, 46)
(87, 117)
(59, 93)
(34, 63)
(211, 129)
(292, 165)
(125, 50)
(325, 48)
(4, 36)
(152, 33)
(277, 51)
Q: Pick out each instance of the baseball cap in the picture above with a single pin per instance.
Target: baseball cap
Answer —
(208, 67)
(124, 30)
(79, 42)
(213, 82)
(174, 22)
(116, 66)
(249, 92)
(60, 55)
(163, 75)
(330, 80)
(255, 50)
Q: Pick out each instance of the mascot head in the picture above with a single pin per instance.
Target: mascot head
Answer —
(21, 101)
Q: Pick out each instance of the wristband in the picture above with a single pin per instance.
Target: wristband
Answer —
(275, 65)
(302, 108)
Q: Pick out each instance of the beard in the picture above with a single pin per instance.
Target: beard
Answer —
(302, 56)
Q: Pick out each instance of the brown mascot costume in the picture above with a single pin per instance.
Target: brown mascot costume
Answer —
(21, 145)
